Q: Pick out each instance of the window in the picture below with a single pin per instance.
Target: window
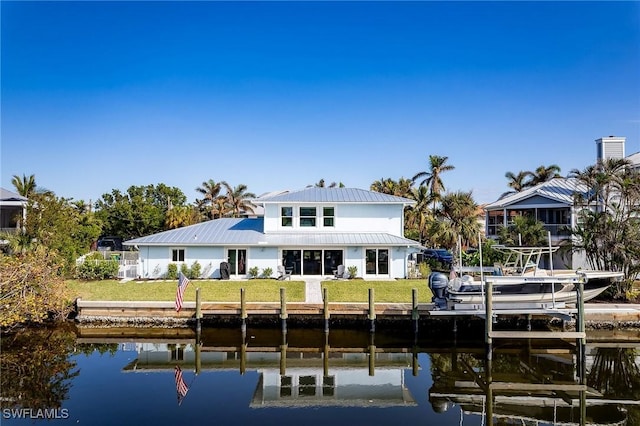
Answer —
(328, 215)
(377, 261)
(177, 255)
(308, 216)
(286, 214)
(237, 261)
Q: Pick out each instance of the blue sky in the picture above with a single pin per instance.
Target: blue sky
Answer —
(99, 96)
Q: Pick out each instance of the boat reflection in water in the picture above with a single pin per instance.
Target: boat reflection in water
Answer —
(529, 382)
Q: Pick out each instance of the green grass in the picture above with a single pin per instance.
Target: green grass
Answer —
(384, 291)
(210, 290)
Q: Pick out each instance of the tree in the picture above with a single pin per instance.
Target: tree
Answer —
(210, 190)
(524, 229)
(399, 188)
(518, 182)
(432, 177)
(32, 290)
(457, 217)
(25, 185)
(180, 216)
(321, 184)
(239, 200)
(544, 174)
(141, 211)
(608, 226)
(58, 225)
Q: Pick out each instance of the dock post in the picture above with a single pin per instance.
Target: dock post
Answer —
(415, 315)
(198, 348)
(372, 311)
(243, 312)
(325, 300)
(325, 356)
(243, 357)
(415, 366)
(283, 309)
(198, 310)
(580, 319)
(372, 355)
(488, 295)
(283, 354)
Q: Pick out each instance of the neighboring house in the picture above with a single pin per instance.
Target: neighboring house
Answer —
(551, 202)
(13, 211)
(309, 232)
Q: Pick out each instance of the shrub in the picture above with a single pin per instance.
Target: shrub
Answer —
(184, 269)
(195, 271)
(98, 269)
(424, 269)
(266, 272)
(253, 272)
(352, 271)
(172, 271)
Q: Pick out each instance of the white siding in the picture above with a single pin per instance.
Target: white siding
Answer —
(385, 218)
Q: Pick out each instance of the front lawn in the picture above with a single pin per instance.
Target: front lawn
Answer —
(384, 291)
(210, 290)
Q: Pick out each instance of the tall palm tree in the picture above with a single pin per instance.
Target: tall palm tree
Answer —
(432, 177)
(544, 174)
(239, 200)
(210, 190)
(321, 184)
(25, 185)
(458, 217)
(399, 188)
(517, 182)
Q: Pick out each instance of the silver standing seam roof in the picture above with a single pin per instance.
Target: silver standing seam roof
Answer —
(560, 190)
(333, 195)
(249, 232)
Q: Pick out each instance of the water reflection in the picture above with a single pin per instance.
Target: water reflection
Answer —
(523, 382)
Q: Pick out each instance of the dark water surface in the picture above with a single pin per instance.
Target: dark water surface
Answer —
(123, 376)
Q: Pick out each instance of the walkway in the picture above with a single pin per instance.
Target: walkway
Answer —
(313, 292)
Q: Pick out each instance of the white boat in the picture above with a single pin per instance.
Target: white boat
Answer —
(518, 281)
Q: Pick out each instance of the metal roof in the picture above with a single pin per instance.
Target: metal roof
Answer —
(333, 195)
(249, 232)
(560, 190)
(6, 195)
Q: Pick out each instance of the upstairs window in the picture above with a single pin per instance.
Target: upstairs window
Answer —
(286, 215)
(307, 216)
(328, 215)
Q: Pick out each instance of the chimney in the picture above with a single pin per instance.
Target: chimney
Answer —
(610, 147)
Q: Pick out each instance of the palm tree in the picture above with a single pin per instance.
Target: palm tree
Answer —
(544, 174)
(25, 186)
(518, 182)
(210, 190)
(321, 184)
(525, 228)
(238, 199)
(399, 188)
(180, 216)
(458, 217)
(431, 178)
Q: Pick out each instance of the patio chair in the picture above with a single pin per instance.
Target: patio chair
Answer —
(340, 272)
(283, 273)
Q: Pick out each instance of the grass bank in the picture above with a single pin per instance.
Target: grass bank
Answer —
(399, 291)
(256, 290)
(210, 290)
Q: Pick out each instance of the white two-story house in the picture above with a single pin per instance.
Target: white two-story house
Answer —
(309, 232)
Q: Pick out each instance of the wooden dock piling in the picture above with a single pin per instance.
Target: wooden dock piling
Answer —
(372, 311)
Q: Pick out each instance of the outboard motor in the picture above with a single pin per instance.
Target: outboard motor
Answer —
(438, 283)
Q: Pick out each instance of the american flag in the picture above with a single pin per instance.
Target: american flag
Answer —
(181, 386)
(183, 282)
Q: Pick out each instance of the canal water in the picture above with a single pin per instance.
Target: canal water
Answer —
(132, 376)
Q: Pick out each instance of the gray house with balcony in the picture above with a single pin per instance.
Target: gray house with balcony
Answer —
(551, 202)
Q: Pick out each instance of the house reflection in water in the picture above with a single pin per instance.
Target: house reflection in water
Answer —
(305, 381)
